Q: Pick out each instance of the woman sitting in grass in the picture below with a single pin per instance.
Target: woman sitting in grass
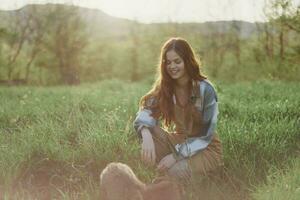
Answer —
(187, 103)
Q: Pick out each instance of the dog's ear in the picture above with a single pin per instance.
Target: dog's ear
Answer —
(163, 190)
(103, 195)
(137, 195)
(162, 185)
(118, 182)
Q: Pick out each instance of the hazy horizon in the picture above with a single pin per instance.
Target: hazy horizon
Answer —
(166, 10)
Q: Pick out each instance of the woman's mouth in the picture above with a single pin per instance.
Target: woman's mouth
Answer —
(173, 72)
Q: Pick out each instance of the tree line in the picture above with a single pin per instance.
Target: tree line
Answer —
(54, 44)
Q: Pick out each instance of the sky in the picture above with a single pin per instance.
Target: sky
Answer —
(148, 11)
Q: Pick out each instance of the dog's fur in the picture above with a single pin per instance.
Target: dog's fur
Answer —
(118, 182)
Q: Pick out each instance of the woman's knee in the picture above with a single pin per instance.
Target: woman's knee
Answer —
(158, 132)
(180, 170)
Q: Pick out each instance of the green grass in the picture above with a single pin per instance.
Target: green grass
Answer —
(55, 141)
(281, 184)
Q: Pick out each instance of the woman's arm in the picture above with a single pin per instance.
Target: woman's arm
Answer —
(209, 115)
(144, 117)
(148, 148)
(142, 123)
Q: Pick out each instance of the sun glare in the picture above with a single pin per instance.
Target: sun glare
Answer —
(118, 8)
(148, 11)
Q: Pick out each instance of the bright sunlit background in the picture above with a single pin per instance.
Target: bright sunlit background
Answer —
(148, 11)
(56, 139)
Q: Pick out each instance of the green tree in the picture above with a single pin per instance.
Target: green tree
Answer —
(15, 38)
(66, 41)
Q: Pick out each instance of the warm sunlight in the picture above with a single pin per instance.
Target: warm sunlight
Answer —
(166, 10)
(149, 99)
(182, 11)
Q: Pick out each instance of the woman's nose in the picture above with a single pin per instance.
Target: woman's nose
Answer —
(172, 65)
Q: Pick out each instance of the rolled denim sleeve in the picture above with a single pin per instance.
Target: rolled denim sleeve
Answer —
(209, 115)
(144, 118)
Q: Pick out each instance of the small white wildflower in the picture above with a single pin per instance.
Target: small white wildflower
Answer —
(286, 186)
(13, 120)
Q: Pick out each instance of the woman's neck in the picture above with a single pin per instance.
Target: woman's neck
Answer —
(182, 84)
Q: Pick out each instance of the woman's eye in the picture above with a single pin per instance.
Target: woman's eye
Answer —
(178, 62)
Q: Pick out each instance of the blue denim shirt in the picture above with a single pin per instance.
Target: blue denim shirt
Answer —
(209, 111)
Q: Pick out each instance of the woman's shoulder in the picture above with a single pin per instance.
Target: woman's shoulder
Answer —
(206, 83)
(150, 101)
(207, 88)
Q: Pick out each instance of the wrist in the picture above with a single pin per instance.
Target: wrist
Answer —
(177, 156)
(145, 132)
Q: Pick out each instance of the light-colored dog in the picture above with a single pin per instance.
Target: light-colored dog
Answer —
(118, 182)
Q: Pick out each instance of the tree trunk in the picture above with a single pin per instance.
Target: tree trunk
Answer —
(134, 52)
(281, 41)
(32, 57)
(268, 42)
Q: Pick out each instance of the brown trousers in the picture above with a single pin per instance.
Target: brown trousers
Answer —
(202, 163)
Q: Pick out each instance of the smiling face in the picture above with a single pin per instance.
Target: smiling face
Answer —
(175, 66)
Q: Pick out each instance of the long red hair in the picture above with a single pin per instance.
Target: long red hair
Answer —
(163, 89)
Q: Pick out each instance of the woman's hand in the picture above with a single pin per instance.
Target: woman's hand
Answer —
(166, 163)
(148, 148)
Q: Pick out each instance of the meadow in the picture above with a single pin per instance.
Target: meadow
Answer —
(54, 141)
